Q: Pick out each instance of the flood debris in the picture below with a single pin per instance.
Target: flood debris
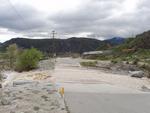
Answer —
(145, 89)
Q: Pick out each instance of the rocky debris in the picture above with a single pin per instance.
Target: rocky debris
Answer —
(44, 97)
(22, 82)
(137, 74)
(46, 64)
(5, 102)
(104, 65)
(0, 85)
(12, 112)
(145, 89)
(36, 108)
(39, 76)
(31, 92)
(121, 67)
(32, 98)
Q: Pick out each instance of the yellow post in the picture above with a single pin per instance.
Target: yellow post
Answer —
(62, 91)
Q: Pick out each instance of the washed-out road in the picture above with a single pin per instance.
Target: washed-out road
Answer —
(94, 91)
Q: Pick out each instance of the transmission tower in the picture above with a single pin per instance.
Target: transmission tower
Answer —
(54, 45)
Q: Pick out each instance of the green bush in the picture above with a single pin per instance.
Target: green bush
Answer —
(135, 61)
(114, 61)
(0, 76)
(28, 60)
(11, 54)
(89, 64)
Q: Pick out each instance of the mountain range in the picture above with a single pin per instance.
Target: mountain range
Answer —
(115, 41)
(80, 44)
(72, 45)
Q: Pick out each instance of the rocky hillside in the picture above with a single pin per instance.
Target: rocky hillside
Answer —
(142, 41)
(73, 45)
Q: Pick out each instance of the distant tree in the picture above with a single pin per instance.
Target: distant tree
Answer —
(12, 52)
(0, 77)
(28, 59)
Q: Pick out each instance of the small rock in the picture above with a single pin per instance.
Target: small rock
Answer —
(62, 108)
(36, 108)
(52, 108)
(18, 98)
(0, 85)
(35, 91)
(5, 102)
(137, 74)
(145, 89)
(20, 92)
(12, 112)
(44, 97)
(27, 112)
(22, 82)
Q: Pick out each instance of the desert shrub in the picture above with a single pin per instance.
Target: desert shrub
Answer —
(135, 61)
(11, 54)
(75, 55)
(8, 57)
(103, 57)
(114, 61)
(0, 76)
(143, 66)
(127, 62)
(89, 64)
(146, 67)
(28, 60)
(148, 75)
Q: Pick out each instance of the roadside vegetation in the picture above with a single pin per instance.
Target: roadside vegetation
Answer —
(18, 59)
(89, 63)
(28, 60)
(0, 78)
(128, 53)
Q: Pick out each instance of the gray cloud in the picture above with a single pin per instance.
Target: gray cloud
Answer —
(83, 19)
(101, 18)
(19, 18)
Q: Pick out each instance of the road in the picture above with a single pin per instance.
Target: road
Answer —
(87, 91)
(108, 103)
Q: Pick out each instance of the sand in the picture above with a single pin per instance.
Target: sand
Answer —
(68, 70)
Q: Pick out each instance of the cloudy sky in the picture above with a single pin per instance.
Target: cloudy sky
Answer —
(100, 19)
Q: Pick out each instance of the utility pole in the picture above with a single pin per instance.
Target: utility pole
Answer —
(54, 45)
(53, 34)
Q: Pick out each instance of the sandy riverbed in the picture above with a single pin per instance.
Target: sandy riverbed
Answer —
(68, 70)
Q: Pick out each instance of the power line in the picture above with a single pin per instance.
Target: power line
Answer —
(17, 13)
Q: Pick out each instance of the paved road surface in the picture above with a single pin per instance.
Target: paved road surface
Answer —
(84, 95)
(108, 103)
